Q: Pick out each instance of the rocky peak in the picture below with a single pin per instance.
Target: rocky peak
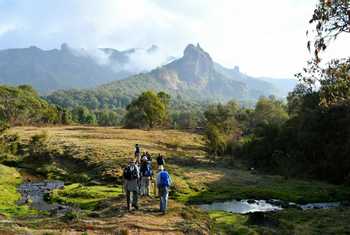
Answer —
(196, 53)
(196, 64)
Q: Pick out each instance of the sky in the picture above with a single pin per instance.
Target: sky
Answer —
(264, 38)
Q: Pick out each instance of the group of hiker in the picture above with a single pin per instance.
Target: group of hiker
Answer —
(138, 177)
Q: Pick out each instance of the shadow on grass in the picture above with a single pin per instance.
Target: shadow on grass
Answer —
(80, 129)
(243, 185)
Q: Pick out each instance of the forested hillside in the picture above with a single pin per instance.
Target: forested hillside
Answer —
(22, 106)
(64, 68)
(193, 78)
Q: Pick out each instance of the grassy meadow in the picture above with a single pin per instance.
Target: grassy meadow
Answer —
(90, 161)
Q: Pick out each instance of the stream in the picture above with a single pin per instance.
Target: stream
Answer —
(249, 206)
(33, 194)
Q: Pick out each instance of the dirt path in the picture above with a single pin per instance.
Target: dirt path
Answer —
(115, 219)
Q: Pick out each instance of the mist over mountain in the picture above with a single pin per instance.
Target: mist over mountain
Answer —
(196, 76)
(65, 68)
(193, 77)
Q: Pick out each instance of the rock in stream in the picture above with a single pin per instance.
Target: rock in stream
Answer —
(33, 194)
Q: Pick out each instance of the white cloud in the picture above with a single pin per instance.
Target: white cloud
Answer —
(6, 28)
(262, 37)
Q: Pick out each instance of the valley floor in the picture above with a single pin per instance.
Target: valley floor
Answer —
(91, 163)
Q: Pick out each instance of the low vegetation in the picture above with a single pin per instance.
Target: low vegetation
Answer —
(84, 197)
(9, 180)
(289, 221)
(87, 156)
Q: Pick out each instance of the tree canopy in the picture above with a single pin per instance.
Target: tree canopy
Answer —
(330, 18)
(148, 110)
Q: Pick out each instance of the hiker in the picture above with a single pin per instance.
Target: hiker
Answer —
(146, 176)
(163, 184)
(137, 153)
(131, 177)
(160, 162)
(149, 157)
(143, 155)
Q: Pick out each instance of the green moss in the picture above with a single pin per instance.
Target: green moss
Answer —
(227, 223)
(85, 197)
(9, 180)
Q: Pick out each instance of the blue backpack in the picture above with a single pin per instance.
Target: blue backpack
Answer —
(148, 170)
(164, 179)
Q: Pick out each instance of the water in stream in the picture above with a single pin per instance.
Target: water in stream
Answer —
(241, 207)
(33, 193)
(248, 206)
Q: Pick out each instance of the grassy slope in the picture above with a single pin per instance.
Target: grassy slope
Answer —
(9, 180)
(196, 180)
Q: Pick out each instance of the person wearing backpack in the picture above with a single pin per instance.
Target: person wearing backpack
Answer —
(146, 175)
(137, 153)
(149, 157)
(131, 177)
(163, 184)
(160, 162)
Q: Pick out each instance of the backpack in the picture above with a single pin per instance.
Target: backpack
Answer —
(130, 173)
(146, 169)
(164, 179)
(137, 150)
(160, 160)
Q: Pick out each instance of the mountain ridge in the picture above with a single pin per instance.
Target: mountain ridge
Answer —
(195, 75)
(63, 68)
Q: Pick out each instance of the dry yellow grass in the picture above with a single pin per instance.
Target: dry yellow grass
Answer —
(109, 141)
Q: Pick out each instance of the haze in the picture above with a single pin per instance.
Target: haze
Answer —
(265, 38)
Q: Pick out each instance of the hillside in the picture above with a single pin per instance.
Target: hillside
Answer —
(64, 68)
(22, 105)
(193, 77)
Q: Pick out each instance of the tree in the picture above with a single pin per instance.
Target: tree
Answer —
(335, 84)
(215, 141)
(148, 110)
(165, 98)
(222, 128)
(22, 105)
(331, 18)
(269, 111)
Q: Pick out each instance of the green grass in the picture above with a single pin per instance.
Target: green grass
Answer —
(9, 180)
(288, 221)
(227, 223)
(323, 221)
(84, 197)
(238, 184)
(101, 153)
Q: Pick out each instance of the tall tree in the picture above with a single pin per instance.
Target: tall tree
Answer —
(148, 110)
